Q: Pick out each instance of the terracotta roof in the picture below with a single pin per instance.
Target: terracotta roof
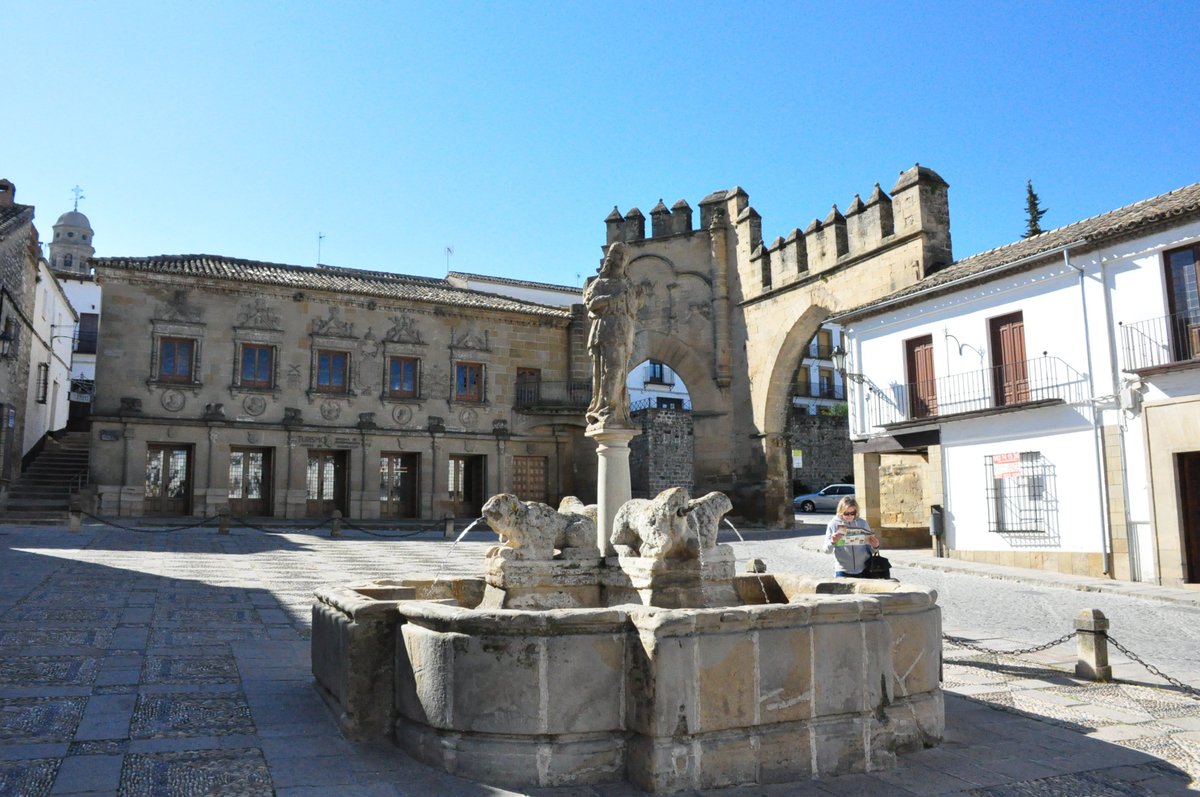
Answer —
(521, 283)
(13, 216)
(1177, 204)
(385, 285)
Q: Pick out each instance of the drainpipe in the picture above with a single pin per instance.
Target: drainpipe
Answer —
(1105, 525)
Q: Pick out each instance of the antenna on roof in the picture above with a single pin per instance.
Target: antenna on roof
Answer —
(320, 237)
(78, 192)
(449, 251)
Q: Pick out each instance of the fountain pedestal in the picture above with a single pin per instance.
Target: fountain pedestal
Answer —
(515, 583)
(613, 486)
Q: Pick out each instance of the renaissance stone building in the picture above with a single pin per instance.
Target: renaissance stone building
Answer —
(271, 390)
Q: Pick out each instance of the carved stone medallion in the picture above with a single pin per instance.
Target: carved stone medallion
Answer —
(401, 415)
(468, 418)
(254, 405)
(253, 437)
(330, 410)
(469, 446)
(173, 400)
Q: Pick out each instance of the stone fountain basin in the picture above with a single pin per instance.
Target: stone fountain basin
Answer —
(839, 678)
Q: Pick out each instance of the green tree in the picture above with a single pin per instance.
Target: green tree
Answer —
(1034, 211)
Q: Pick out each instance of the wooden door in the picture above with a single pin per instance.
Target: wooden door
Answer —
(1010, 378)
(326, 483)
(922, 390)
(529, 386)
(1188, 469)
(250, 482)
(168, 480)
(529, 478)
(398, 485)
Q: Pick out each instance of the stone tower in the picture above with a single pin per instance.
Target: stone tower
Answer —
(71, 247)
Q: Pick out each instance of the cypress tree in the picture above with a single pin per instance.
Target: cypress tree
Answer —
(1034, 211)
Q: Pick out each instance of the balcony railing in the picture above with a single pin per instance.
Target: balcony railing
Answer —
(661, 403)
(1009, 385)
(820, 351)
(1161, 341)
(809, 390)
(575, 394)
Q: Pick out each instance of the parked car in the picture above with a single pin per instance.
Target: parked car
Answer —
(825, 500)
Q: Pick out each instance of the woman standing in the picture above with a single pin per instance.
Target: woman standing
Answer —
(849, 539)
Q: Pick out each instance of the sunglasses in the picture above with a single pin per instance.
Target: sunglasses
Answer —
(850, 513)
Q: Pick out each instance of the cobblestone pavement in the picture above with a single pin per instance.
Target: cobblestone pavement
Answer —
(177, 664)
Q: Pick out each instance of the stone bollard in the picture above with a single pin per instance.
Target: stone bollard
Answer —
(335, 527)
(450, 532)
(1091, 628)
(222, 523)
(74, 520)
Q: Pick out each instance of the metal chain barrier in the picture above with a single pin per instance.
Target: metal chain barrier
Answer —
(962, 643)
(1190, 691)
(348, 525)
(202, 522)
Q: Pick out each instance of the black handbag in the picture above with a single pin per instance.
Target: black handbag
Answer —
(876, 567)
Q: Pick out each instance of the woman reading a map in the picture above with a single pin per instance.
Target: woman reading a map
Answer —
(849, 539)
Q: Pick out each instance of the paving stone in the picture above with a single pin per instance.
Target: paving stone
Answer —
(47, 670)
(229, 773)
(28, 778)
(165, 669)
(99, 747)
(40, 719)
(88, 773)
(190, 715)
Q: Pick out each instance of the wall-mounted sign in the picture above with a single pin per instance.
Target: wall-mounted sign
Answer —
(110, 434)
(1006, 466)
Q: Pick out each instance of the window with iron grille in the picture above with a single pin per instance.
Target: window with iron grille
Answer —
(1017, 492)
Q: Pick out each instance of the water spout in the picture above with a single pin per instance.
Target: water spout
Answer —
(457, 540)
(761, 585)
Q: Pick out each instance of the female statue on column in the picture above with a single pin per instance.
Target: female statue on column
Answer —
(611, 300)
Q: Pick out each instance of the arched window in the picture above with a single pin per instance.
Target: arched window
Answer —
(68, 261)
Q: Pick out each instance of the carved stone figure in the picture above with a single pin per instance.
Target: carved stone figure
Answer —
(611, 301)
(534, 530)
(704, 516)
(657, 528)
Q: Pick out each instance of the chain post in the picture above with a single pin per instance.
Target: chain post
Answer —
(222, 522)
(1091, 645)
(335, 526)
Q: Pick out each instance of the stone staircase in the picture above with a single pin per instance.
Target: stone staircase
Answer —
(43, 491)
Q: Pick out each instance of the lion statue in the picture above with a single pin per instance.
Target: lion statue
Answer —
(536, 531)
(669, 526)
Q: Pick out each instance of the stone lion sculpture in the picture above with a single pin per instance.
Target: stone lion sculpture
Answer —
(535, 531)
(670, 526)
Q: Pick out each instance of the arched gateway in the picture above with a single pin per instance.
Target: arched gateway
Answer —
(733, 315)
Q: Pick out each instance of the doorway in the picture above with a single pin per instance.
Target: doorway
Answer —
(467, 482)
(326, 483)
(399, 475)
(168, 480)
(1010, 379)
(1187, 467)
(250, 482)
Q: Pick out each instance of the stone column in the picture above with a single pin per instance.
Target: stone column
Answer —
(613, 487)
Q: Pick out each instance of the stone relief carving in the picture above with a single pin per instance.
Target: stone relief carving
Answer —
(468, 418)
(294, 376)
(330, 410)
(334, 325)
(401, 415)
(254, 405)
(292, 416)
(259, 315)
(173, 400)
(366, 420)
(178, 308)
(535, 531)
(404, 330)
(253, 437)
(370, 345)
(214, 412)
(470, 339)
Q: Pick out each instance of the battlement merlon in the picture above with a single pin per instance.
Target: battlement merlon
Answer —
(918, 203)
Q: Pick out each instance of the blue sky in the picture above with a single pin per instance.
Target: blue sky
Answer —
(509, 130)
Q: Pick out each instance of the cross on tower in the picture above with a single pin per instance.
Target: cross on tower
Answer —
(78, 192)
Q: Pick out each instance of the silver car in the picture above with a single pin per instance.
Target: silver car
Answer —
(825, 500)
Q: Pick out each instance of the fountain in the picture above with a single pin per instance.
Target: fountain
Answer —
(617, 642)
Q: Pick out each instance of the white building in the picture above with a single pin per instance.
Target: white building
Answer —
(70, 253)
(49, 358)
(819, 386)
(1047, 394)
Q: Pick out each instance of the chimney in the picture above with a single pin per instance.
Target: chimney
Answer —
(8, 193)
